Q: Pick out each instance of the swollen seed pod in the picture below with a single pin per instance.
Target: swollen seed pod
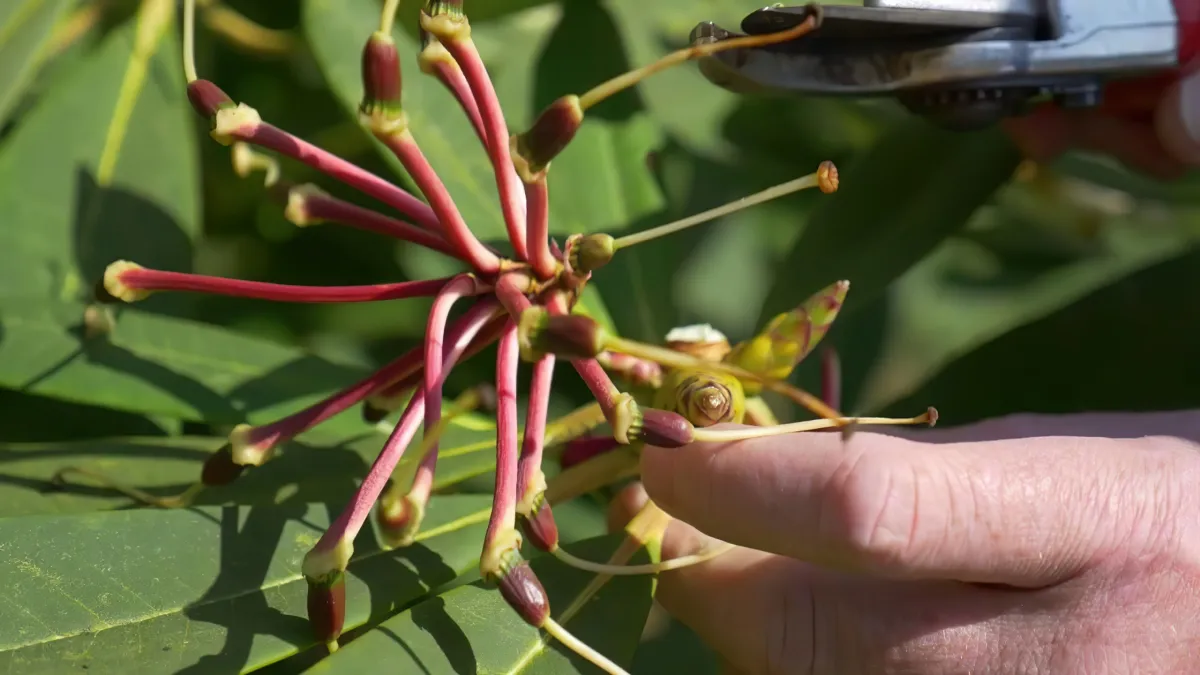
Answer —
(327, 606)
(551, 132)
(220, 469)
(207, 98)
(539, 526)
(523, 591)
(589, 253)
(381, 77)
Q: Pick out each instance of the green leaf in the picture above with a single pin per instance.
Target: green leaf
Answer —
(25, 28)
(471, 629)
(201, 590)
(320, 466)
(600, 182)
(159, 365)
(103, 168)
(965, 295)
(895, 204)
(1127, 344)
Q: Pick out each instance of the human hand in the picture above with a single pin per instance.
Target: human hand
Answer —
(1046, 552)
(1152, 125)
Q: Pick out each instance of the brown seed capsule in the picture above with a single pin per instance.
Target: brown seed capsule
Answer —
(539, 527)
(551, 132)
(220, 469)
(591, 252)
(380, 76)
(207, 98)
(327, 606)
(665, 429)
(827, 177)
(524, 593)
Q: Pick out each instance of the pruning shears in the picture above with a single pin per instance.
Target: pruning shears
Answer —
(964, 63)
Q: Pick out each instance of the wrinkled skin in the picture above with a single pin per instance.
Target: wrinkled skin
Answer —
(1060, 545)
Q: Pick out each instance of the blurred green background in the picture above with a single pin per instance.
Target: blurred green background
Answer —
(979, 285)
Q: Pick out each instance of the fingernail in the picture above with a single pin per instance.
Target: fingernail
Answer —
(1178, 120)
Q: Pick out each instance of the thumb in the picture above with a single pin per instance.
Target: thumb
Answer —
(1177, 120)
(1023, 512)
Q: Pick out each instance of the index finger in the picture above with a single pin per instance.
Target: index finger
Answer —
(1026, 512)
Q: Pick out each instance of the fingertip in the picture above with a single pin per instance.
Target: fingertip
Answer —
(625, 506)
(1177, 120)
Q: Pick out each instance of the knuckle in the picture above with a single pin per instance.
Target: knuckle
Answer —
(874, 509)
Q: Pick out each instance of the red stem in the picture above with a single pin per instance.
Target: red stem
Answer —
(451, 77)
(273, 138)
(352, 518)
(507, 182)
(580, 450)
(489, 334)
(593, 374)
(326, 207)
(355, 514)
(410, 362)
(158, 280)
(510, 294)
(831, 378)
(535, 423)
(537, 237)
(435, 375)
(504, 499)
(453, 226)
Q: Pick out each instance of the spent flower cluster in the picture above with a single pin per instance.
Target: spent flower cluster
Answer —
(522, 300)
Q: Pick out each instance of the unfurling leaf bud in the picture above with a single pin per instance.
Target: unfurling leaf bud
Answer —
(207, 98)
(220, 469)
(827, 177)
(327, 605)
(790, 336)
(568, 336)
(665, 429)
(699, 340)
(539, 526)
(551, 132)
(523, 591)
(381, 77)
(589, 253)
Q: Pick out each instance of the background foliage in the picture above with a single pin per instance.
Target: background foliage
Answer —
(977, 288)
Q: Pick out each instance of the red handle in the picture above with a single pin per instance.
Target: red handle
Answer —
(1187, 13)
(1137, 98)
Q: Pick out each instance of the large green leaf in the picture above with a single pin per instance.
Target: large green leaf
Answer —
(965, 295)
(471, 629)
(1127, 345)
(103, 168)
(318, 467)
(895, 204)
(25, 28)
(599, 182)
(202, 590)
(158, 365)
